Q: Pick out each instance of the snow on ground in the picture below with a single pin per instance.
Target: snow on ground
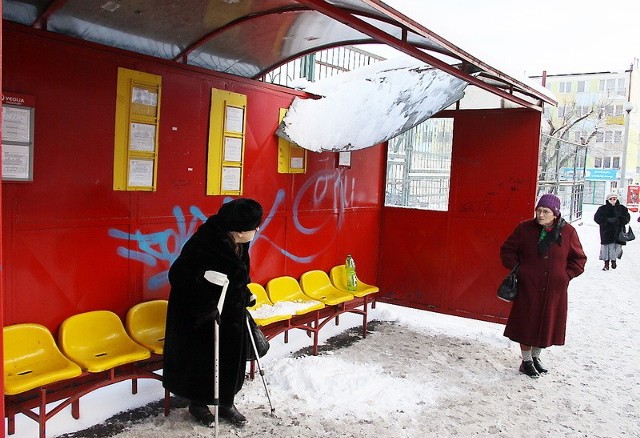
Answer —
(425, 374)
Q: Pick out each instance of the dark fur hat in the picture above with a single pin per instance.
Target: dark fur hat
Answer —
(241, 214)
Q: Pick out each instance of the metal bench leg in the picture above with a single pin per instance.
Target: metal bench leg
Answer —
(75, 409)
(167, 402)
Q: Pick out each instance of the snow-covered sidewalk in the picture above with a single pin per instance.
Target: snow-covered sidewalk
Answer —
(425, 374)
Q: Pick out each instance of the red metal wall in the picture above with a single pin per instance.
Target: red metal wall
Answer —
(72, 244)
(449, 261)
(1, 249)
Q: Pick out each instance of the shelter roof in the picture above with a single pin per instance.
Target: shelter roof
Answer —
(249, 38)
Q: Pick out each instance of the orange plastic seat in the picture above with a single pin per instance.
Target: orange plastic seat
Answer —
(286, 289)
(32, 359)
(264, 312)
(317, 285)
(98, 341)
(338, 275)
(145, 323)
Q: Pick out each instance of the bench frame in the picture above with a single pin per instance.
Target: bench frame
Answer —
(69, 391)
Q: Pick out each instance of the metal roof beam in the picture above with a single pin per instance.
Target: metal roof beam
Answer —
(403, 45)
(41, 21)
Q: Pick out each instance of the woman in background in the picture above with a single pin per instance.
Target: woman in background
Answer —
(611, 217)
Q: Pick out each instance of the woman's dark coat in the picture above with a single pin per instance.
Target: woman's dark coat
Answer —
(539, 313)
(189, 338)
(611, 219)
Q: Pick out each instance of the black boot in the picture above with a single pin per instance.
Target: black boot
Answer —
(538, 366)
(527, 367)
(231, 414)
(606, 265)
(613, 264)
(202, 414)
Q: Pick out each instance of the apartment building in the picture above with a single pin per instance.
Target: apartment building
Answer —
(595, 122)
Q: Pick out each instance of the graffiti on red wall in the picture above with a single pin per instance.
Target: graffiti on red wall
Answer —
(163, 247)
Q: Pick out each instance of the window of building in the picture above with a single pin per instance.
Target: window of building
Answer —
(581, 86)
(617, 136)
(611, 84)
(606, 162)
(608, 137)
(599, 137)
(616, 162)
(419, 166)
(597, 162)
(565, 87)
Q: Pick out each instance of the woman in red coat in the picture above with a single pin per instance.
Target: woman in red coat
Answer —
(549, 254)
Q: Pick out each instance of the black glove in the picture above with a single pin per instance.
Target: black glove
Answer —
(216, 315)
(612, 220)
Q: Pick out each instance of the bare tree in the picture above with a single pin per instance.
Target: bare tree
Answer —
(558, 147)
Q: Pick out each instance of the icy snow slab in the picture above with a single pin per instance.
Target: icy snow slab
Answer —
(368, 106)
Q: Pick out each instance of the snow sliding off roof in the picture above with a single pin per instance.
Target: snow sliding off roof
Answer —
(369, 106)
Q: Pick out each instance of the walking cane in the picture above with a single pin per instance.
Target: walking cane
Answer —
(255, 352)
(221, 280)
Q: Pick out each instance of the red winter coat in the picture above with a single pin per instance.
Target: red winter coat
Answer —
(539, 313)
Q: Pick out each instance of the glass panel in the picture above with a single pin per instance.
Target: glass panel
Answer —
(419, 166)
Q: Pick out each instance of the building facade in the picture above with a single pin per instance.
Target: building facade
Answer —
(593, 132)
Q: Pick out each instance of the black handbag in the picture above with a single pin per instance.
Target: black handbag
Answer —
(508, 289)
(626, 236)
(261, 341)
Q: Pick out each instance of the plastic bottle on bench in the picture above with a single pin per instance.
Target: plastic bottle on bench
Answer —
(350, 268)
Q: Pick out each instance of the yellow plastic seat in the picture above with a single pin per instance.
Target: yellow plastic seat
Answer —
(145, 323)
(317, 285)
(262, 298)
(32, 359)
(286, 289)
(264, 312)
(338, 275)
(97, 341)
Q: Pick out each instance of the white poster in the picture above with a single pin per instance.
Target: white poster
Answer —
(231, 179)
(297, 163)
(142, 137)
(16, 124)
(15, 162)
(140, 173)
(234, 119)
(144, 96)
(232, 149)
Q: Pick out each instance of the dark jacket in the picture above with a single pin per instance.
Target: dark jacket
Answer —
(538, 315)
(611, 219)
(189, 338)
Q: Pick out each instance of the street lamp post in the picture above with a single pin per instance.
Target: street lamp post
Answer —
(628, 107)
